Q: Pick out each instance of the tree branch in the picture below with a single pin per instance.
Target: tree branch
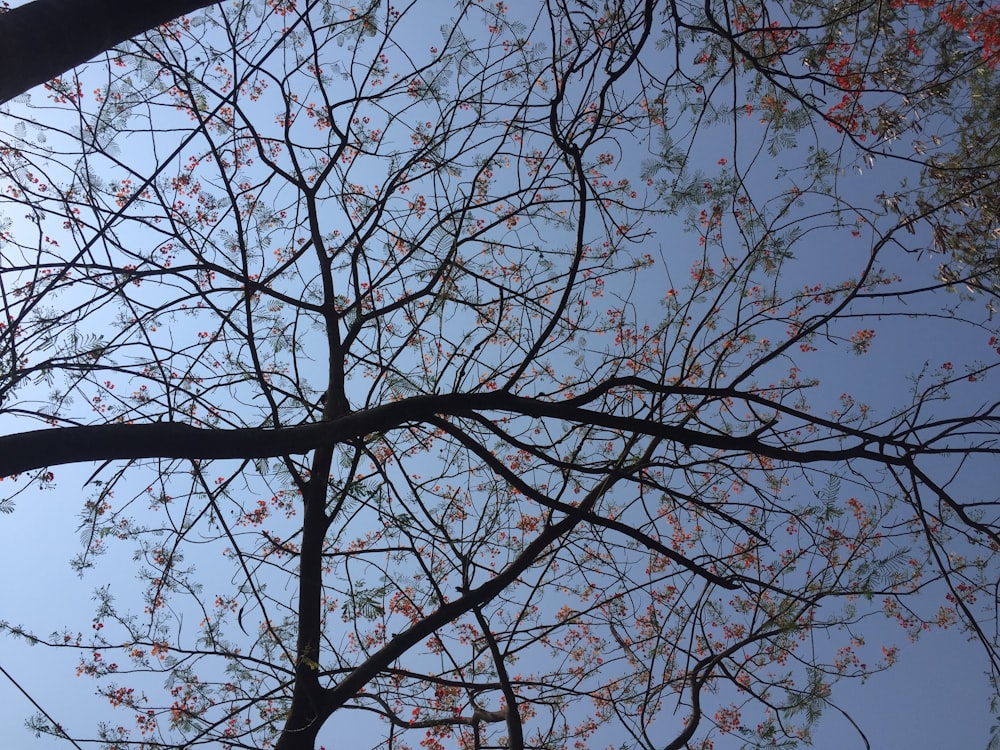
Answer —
(42, 448)
(45, 38)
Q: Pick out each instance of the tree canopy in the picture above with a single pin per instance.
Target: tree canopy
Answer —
(580, 374)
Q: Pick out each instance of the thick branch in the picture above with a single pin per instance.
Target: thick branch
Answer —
(42, 448)
(468, 601)
(45, 38)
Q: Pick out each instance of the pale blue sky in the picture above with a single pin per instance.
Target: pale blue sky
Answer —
(935, 697)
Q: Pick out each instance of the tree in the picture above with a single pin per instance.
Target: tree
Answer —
(359, 329)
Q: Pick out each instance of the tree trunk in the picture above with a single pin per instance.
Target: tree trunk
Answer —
(45, 38)
(306, 718)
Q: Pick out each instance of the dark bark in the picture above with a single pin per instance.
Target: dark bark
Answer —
(45, 38)
(306, 715)
(26, 451)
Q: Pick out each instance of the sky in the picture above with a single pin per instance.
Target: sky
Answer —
(936, 696)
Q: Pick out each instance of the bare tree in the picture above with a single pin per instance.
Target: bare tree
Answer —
(505, 382)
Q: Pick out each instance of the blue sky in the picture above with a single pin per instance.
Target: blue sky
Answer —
(936, 696)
